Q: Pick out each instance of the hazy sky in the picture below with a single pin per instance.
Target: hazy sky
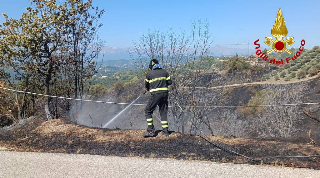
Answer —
(230, 21)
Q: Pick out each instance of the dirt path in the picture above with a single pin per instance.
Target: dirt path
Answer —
(22, 164)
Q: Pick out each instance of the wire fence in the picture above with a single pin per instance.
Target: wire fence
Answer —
(142, 104)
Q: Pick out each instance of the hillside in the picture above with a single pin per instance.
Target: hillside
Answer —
(61, 136)
(307, 65)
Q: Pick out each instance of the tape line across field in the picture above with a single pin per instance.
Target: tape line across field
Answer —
(205, 106)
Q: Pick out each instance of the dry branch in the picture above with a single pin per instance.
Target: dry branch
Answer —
(311, 116)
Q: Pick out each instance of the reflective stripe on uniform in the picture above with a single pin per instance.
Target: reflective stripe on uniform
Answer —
(156, 79)
(160, 89)
(149, 120)
(147, 80)
(150, 123)
(160, 78)
(164, 124)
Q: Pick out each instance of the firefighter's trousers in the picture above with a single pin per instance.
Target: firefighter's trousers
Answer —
(161, 100)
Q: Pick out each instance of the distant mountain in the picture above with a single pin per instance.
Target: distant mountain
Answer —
(120, 64)
(119, 53)
(114, 53)
(219, 50)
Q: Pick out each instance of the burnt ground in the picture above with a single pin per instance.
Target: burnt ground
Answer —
(61, 136)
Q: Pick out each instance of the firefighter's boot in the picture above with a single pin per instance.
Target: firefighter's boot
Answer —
(150, 132)
(165, 132)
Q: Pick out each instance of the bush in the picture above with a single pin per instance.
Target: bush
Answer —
(97, 90)
(263, 78)
(287, 78)
(287, 66)
(295, 68)
(274, 73)
(307, 59)
(118, 87)
(236, 63)
(267, 76)
(283, 74)
(251, 112)
(308, 67)
(302, 74)
(313, 71)
(276, 77)
(293, 75)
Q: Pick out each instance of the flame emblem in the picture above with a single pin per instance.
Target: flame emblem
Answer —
(279, 31)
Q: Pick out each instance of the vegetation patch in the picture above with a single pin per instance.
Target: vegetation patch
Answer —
(251, 111)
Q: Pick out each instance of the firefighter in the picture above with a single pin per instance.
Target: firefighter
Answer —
(157, 82)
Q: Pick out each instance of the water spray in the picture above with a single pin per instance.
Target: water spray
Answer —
(115, 117)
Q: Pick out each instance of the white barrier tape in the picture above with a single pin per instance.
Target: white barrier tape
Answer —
(109, 102)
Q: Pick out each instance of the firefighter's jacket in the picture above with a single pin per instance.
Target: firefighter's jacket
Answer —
(157, 81)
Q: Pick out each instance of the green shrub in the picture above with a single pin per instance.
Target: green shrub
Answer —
(308, 59)
(313, 63)
(267, 76)
(293, 75)
(287, 78)
(281, 68)
(299, 65)
(302, 74)
(283, 74)
(97, 90)
(274, 73)
(313, 71)
(276, 77)
(308, 67)
(295, 68)
(251, 112)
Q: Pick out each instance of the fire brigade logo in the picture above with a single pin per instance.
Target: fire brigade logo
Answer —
(279, 31)
(279, 45)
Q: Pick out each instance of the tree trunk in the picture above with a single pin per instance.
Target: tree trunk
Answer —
(47, 88)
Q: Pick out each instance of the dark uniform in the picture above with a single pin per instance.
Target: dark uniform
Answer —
(157, 83)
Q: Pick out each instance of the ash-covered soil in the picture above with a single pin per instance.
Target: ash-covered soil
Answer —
(61, 136)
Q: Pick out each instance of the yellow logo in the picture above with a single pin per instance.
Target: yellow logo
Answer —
(279, 31)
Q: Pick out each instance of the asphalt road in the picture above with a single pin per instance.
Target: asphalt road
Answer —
(22, 164)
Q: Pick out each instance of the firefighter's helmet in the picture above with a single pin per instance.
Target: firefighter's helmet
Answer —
(152, 63)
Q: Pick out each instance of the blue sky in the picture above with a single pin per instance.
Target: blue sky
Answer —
(230, 21)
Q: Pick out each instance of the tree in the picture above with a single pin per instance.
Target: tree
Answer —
(37, 46)
(8, 109)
